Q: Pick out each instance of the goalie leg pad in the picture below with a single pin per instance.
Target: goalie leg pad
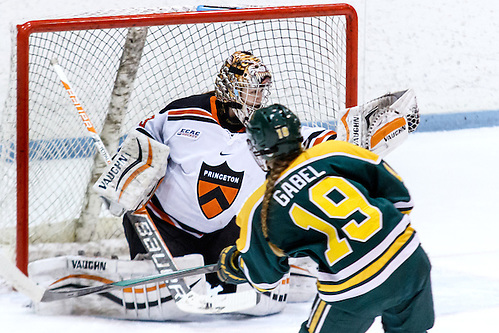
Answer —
(303, 281)
(135, 172)
(149, 302)
(271, 302)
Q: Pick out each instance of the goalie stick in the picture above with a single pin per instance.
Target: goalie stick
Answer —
(50, 295)
(186, 299)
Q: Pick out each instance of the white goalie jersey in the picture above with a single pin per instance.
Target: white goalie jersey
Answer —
(210, 169)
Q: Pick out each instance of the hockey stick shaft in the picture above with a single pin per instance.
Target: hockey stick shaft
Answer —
(81, 111)
(53, 295)
(8, 270)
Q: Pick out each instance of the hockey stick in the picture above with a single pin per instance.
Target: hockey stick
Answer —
(18, 280)
(184, 297)
(28, 287)
(84, 116)
(50, 295)
(214, 304)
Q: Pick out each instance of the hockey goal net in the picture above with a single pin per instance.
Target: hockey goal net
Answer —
(123, 69)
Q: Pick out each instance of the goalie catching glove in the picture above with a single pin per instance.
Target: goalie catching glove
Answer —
(228, 263)
(135, 172)
(381, 124)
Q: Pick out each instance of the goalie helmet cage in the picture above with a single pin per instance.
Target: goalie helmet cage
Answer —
(311, 51)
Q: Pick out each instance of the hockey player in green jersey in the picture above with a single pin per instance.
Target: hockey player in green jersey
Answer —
(345, 208)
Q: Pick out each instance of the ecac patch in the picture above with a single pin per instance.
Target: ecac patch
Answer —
(189, 133)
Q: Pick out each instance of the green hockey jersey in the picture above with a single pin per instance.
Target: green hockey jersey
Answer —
(339, 204)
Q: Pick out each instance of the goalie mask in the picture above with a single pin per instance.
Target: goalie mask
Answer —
(274, 132)
(243, 83)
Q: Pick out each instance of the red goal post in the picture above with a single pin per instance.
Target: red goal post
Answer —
(239, 17)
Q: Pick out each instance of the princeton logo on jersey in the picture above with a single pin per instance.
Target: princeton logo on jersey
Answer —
(218, 187)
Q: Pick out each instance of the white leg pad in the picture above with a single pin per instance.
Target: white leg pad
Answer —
(270, 302)
(303, 281)
(152, 303)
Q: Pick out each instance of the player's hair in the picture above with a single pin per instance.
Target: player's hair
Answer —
(277, 166)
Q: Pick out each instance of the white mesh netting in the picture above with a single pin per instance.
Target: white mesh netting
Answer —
(306, 55)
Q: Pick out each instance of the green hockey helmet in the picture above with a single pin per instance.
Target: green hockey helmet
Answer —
(274, 132)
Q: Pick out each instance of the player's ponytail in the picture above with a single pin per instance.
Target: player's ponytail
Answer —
(276, 169)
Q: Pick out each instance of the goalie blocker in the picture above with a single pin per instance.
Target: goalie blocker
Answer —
(381, 124)
(135, 172)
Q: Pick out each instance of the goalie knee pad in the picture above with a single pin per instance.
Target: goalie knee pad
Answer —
(381, 124)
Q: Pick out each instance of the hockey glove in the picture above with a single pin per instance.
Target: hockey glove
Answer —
(229, 270)
(381, 124)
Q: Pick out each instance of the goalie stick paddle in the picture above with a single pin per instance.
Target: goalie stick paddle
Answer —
(185, 299)
(50, 295)
(156, 247)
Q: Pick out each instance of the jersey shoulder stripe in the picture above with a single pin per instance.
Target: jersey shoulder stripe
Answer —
(202, 101)
(196, 107)
(191, 114)
(335, 147)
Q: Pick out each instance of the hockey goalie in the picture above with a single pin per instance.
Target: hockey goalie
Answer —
(180, 178)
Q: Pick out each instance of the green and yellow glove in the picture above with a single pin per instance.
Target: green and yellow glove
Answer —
(228, 263)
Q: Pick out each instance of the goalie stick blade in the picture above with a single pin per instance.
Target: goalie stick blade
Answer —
(54, 295)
